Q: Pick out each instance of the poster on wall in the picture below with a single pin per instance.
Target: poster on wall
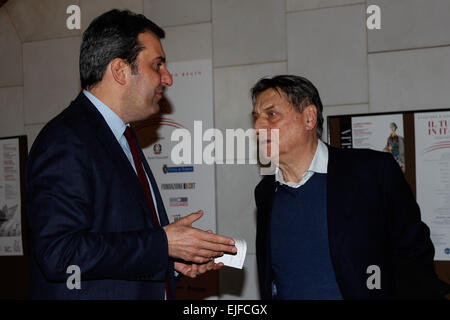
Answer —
(433, 177)
(381, 133)
(10, 199)
(189, 185)
(186, 187)
(345, 134)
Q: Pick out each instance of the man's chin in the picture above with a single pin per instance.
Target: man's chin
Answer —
(149, 111)
(154, 108)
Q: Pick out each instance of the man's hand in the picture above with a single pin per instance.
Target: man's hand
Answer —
(194, 270)
(195, 245)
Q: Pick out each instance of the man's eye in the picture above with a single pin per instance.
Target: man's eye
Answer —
(272, 114)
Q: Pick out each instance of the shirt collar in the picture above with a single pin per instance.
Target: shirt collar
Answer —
(319, 164)
(114, 122)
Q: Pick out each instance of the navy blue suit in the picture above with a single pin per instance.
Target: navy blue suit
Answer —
(86, 207)
(373, 219)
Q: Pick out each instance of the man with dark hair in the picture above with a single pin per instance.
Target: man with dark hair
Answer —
(93, 203)
(332, 223)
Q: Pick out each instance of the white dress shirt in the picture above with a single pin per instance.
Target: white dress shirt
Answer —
(318, 164)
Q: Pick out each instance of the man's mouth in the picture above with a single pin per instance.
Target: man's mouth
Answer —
(160, 91)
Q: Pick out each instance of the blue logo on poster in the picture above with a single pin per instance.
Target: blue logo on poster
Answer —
(447, 250)
(167, 169)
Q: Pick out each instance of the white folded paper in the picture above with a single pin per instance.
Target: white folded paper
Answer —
(235, 260)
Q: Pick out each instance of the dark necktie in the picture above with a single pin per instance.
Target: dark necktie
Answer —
(140, 171)
(134, 148)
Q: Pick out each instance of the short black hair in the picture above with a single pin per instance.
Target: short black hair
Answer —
(298, 90)
(114, 34)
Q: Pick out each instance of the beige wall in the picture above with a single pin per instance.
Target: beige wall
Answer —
(405, 65)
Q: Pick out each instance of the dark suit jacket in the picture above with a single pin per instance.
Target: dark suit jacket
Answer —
(373, 219)
(86, 207)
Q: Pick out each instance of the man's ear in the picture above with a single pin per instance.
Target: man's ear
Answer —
(120, 71)
(310, 117)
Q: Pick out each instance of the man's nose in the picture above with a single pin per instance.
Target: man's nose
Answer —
(166, 78)
(259, 124)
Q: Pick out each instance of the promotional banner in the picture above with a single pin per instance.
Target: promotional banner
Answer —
(185, 187)
(433, 177)
(381, 133)
(10, 199)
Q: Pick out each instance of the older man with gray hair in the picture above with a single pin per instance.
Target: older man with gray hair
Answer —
(333, 224)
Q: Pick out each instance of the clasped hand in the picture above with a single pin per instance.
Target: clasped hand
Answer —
(196, 247)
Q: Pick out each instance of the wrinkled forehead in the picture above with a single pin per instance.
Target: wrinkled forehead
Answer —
(270, 97)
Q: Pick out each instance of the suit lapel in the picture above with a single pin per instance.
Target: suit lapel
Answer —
(337, 217)
(163, 219)
(334, 203)
(269, 192)
(159, 203)
(263, 242)
(115, 153)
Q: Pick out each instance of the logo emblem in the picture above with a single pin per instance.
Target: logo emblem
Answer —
(157, 148)
(167, 169)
